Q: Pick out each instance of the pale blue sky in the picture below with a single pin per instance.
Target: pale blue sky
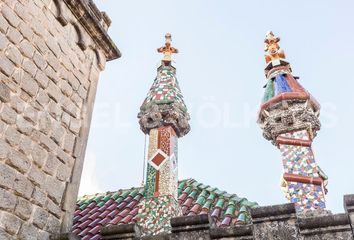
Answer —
(220, 71)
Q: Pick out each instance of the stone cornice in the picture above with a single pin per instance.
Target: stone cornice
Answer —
(87, 17)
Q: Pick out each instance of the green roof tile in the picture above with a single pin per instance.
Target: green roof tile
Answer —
(220, 203)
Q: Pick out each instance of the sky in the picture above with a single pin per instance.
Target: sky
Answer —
(220, 71)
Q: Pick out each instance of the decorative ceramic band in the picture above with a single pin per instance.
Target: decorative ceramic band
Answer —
(291, 141)
(302, 179)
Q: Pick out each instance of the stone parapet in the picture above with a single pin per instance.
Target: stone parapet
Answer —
(278, 222)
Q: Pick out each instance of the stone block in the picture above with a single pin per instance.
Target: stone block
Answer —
(26, 145)
(39, 155)
(3, 42)
(31, 114)
(14, 55)
(29, 67)
(7, 200)
(10, 15)
(69, 142)
(23, 209)
(26, 31)
(53, 208)
(42, 79)
(47, 143)
(42, 98)
(36, 175)
(65, 158)
(22, 12)
(39, 60)
(126, 231)
(28, 232)
(29, 85)
(23, 186)
(64, 236)
(17, 104)
(4, 93)
(6, 66)
(8, 115)
(75, 125)
(63, 172)
(7, 176)
(40, 217)
(10, 223)
(4, 235)
(54, 188)
(329, 226)
(275, 222)
(77, 100)
(14, 36)
(54, 47)
(65, 88)
(26, 48)
(19, 161)
(12, 136)
(4, 25)
(24, 126)
(54, 92)
(51, 165)
(4, 149)
(51, 74)
(53, 224)
(69, 107)
(39, 196)
(74, 82)
(65, 118)
(82, 92)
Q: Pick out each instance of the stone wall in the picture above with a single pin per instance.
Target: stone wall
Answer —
(51, 55)
(278, 222)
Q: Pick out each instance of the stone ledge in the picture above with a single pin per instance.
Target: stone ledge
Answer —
(323, 221)
(349, 203)
(190, 223)
(237, 231)
(91, 23)
(64, 236)
(273, 213)
(126, 231)
(324, 224)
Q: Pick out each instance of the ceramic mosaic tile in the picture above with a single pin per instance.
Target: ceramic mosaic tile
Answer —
(165, 88)
(302, 135)
(306, 196)
(163, 159)
(155, 213)
(300, 161)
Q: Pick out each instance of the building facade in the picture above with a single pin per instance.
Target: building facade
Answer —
(51, 55)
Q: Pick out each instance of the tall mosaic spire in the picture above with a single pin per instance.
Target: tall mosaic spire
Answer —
(289, 118)
(164, 117)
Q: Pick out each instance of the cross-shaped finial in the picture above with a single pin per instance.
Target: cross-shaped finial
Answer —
(167, 50)
(272, 48)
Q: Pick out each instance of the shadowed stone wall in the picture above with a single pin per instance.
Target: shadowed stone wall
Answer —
(51, 55)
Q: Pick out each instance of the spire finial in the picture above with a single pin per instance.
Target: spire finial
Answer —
(274, 53)
(167, 50)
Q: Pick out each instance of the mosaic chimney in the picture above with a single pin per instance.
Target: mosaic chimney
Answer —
(164, 117)
(289, 118)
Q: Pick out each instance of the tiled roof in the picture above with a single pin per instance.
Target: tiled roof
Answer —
(120, 207)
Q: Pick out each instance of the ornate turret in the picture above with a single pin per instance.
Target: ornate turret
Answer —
(164, 105)
(163, 115)
(289, 118)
